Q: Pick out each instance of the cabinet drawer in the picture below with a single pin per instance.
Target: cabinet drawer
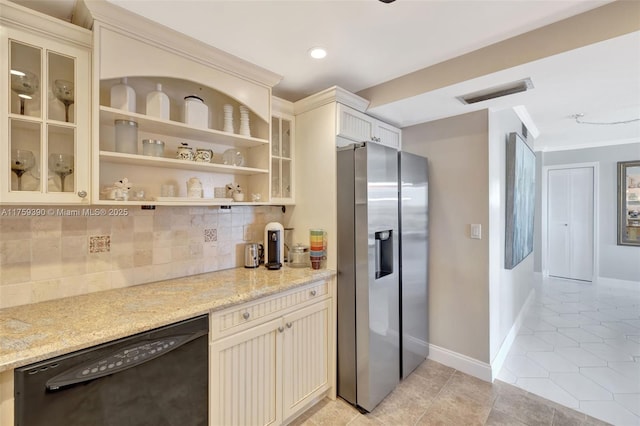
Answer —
(238, 318)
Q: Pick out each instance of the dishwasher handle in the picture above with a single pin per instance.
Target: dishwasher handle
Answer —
(120, 360)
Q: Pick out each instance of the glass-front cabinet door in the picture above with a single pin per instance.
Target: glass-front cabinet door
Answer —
(281, 159)
(45, 144)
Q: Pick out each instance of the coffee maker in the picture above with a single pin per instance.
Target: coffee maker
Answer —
(273, 245)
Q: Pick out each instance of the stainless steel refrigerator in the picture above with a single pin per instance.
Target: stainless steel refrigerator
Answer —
(371, 314)
(414, 251)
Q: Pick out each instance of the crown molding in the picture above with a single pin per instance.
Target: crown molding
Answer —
(16, 16)
(180, 44)
(281, 105)
(332, 94)
(81, 15)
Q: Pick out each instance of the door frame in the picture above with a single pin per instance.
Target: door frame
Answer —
(545, 214)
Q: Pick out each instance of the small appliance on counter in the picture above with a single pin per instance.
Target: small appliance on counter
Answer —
(252, 255)
(273, 245)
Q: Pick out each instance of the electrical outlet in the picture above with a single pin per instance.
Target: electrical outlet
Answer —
(248, 233)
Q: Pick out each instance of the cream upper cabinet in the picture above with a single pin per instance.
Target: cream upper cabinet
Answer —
(217, 131)
(45, 141)
(354, 125)
(359, 127)
(388, 135)
(282, 152)
(325, 120)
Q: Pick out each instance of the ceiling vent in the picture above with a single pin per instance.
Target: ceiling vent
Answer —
(496, 92)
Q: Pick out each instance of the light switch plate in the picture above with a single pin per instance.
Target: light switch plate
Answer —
(476, 231)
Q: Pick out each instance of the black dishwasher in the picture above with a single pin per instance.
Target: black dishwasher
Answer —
(159, 377)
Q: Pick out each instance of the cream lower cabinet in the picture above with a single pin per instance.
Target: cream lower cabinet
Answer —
(6, 397)
(245, 375)
(305, 356)
(278, 365)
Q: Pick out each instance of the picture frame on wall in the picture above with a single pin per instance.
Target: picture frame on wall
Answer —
(520, 200)
(629, 203)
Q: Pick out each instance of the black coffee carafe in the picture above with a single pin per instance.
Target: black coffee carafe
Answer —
(274, 257)
(273, 245)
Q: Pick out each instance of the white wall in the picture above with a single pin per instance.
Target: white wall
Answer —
(617, 262)
(508, 289)
(474, 301)
(457, 149)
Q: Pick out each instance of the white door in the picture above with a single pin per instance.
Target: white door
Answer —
(570, 238)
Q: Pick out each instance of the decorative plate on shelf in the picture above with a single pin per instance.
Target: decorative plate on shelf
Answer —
(233, 157)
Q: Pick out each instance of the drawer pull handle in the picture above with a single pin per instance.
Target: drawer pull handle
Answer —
(281, 329)
(313, 292)
(289, 325)
(246, 315)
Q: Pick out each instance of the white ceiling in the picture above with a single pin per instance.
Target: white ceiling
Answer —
(601, 80)
(370, 42)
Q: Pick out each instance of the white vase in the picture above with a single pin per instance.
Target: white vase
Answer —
(158, 103)
(123, 96)
(244, 130)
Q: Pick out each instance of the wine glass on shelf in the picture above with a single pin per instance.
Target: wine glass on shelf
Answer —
(22, 161)
(62, 165)
(25, 84)
(63, 90)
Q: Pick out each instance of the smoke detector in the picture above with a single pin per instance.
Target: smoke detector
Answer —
(497, 91)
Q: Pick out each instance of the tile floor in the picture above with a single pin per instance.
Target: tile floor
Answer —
(438, 395)
(579, 346)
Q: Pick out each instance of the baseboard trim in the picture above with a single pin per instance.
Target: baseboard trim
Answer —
(472, 366)
(614, 282)
(501, 356)
(460, 362)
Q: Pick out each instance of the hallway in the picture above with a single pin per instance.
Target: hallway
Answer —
(579, 345)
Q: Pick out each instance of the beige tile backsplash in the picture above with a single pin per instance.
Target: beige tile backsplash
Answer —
(50, 257)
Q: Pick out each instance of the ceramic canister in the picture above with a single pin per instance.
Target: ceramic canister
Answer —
(185, 153)
(203, 155)
(194, 188)
(196, 112)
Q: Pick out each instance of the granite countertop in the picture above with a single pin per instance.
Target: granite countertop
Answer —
(39, 331)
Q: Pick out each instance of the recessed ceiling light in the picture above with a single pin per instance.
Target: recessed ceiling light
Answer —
(317, 52)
